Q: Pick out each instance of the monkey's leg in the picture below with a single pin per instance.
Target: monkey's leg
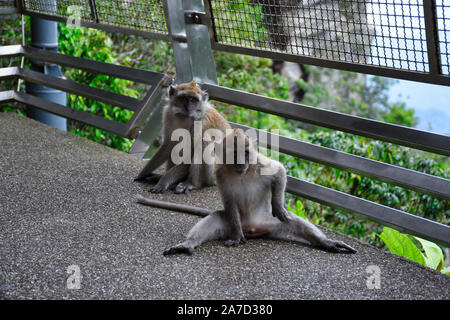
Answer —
(207, 229)
(172, 176)
(153, 178)
(232, 218)
(161, 156)
(302, 229)
(193, 181)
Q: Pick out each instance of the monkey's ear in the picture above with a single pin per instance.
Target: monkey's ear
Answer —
(205, 96)
(172, 89)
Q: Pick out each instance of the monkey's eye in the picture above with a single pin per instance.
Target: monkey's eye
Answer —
(193, 99)
(182, 100)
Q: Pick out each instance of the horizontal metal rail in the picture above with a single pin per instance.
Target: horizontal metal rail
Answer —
(142, 108)
(410, 179)
(63, 111)
(93, 93)
(402, 221)
(8, 11)
(137, 75)
(101, 26)
(7, 96)
(333, 64)
(405, 136)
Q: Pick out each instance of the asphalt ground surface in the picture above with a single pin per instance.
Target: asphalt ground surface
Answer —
(66, 201)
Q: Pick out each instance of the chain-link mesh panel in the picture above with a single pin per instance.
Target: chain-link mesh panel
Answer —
(443, 26)
(389, 33)
(137, 14)
(7, 3)
(147, 15)
(72, 9)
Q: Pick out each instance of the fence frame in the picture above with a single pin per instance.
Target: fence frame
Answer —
(189, 25)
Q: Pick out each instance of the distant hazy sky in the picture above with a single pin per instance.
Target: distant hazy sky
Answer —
(399, 27)
(431, 103)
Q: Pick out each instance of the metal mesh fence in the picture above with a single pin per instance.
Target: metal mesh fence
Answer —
(6, 3)
(147, 15)
(443, 27)
(136, 14)
(75, 9)
(388, 33)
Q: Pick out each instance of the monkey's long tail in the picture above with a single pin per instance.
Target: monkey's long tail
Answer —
(202, 212)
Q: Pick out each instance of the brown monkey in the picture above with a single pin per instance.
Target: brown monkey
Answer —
(253, 197)
(187, 105)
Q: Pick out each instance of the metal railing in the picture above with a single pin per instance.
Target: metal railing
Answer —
(406, 39)
(142, 108)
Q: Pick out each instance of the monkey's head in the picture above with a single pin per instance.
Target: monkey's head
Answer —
(238, 151)
(186, 100)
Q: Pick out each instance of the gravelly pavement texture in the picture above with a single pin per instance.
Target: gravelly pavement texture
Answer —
(68, 201)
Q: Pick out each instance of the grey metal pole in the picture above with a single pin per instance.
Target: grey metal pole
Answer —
(44, 35)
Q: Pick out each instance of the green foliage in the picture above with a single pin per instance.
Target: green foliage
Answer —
(255, 75)
(298, 210)
(10, 35)
(351, 93)
(239, 23)
(95, 44)
(399, 114)
(402, 245)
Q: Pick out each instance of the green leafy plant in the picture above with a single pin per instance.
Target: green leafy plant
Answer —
(401, 244)
(96, 45)
(298, 210)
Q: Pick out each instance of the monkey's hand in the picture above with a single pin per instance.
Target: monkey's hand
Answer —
(278, 211)
(159, 188)
(179, 248)
(152, 178)
(337, 246)
(235, 242)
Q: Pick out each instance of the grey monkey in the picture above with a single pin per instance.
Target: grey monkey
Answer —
(187, 104)
(253, 204)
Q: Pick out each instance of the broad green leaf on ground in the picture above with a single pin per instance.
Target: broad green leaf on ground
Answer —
(434, 254)
(401, 245)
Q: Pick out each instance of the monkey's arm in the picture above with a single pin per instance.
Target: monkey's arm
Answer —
(278, 187)
(232, 220)
(161, 156)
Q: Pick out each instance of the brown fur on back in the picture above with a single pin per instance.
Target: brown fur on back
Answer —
(213, 119)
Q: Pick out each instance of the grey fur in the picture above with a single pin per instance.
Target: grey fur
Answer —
(186, 105)
(253, 201)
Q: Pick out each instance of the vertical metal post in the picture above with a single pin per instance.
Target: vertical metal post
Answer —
(44, 35)
(429, 11)
(199, 43)
(188, 29)
(189, 32)
(177, 30)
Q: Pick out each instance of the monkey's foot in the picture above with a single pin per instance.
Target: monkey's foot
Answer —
(158, 188)
(234, 243)
(179, 248)
(338, 247)
(184, 187)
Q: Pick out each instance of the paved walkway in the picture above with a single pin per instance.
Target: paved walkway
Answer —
(68, 201)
